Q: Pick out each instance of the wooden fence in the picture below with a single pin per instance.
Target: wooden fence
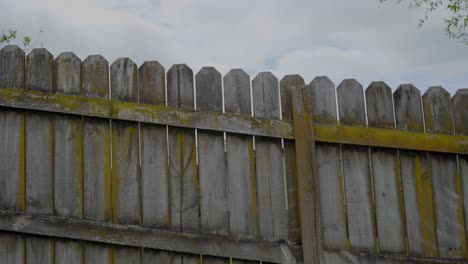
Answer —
(123, 164)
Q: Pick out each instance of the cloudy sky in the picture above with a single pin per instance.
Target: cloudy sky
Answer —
(362, 39)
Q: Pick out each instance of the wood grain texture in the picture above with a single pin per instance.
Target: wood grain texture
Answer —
(451, 236)
(183, 173)
(68, 162)
(460, 116)
(307, 179)
(385, 172)
(214, 217)
(151, 256)
(240, 162)
(12, 180)
(96, 157)
(126, 196)
(358, 187)
(154, 164)
(39, 143)
(416, 182)
(272, 213)
(12, 248)
(289, 156)
(320, 97)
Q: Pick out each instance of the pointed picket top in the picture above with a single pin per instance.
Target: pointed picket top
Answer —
(152, 83)
(319, 96)
(408, 108)
(460, 111)
(12, 67)
(180, 86)
(286, 85)
(438, 110)
(95, 77)
(237, 92)
(351, 103)
(38, 71)
(209, 90)
(265, 95)
(67, 74)
(124, 82)
(379, 105)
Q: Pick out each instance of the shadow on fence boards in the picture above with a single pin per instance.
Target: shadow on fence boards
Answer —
(115, 163)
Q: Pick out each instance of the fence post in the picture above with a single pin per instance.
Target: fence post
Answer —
(306, 178)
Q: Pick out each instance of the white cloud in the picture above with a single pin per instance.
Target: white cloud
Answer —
(367, 40)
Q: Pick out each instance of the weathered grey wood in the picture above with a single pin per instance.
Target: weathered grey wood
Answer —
(96, 156)
(416, 183)
(136, 236)
(39, 154)
(39, 250)
(460, 116)
(211, 158)
(11, 248)
(152, 83)
(151, 256)
(240, 162)
(272, 213)
(214, 211)
(12, 133)
(68, 162)
(12, 67)
(126, 255)
(386, 178)
(307, 179)
(240, 159)
(183, 174)
(96, 253)
(68, 251)
(154, 166)
(320, 97)
(289, 156)
(126, 196)
(451, 236)
(358, 188)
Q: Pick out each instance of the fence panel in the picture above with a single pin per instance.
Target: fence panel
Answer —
(358, 187)
(96, 157)
(12, 174)
(385, 173)
(39, 154)
(443, 169)
(182, 160)
(289, 156)
(126, 200)
(416, 183)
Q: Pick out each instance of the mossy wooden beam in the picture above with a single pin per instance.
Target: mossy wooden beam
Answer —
(233, 123)
(136, 236)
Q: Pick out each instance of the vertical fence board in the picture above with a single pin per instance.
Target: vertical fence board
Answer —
(272, 214)
(289, 156)
(68, 156)
(460, 116)
(416, 182)
(240, 164)
(385, 172)
(183, 176)
(125, 158)
(214, 218)
(12, 172)
(96, 156)
(39, 154)
(154, 169)
(357, 180)
(451, 236)
(320, 97)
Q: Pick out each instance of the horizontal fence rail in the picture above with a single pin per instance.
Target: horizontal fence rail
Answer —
(234, 123)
